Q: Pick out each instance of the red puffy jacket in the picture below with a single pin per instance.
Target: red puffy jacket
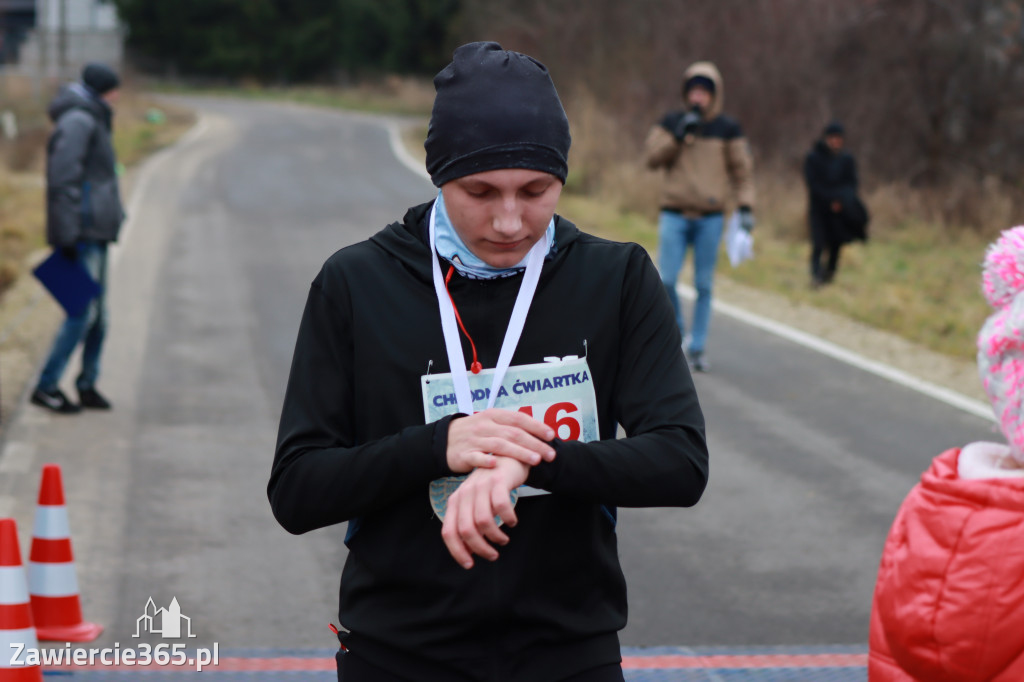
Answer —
(949, 602)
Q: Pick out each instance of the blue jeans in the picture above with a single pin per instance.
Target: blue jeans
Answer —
(89, 328)
(675, 233)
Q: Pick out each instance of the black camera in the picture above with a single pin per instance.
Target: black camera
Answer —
(688, 123)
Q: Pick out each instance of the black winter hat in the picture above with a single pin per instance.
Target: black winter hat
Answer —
(834, 128)
(495, 109)
(699, 82)
(100, 78)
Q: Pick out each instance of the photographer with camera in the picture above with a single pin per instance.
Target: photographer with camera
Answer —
(706, 162)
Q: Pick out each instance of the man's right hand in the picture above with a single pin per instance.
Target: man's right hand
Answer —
(478, 440)
(687, 124)
(69, 252)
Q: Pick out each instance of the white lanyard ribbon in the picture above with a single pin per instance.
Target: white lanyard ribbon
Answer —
(452, 341)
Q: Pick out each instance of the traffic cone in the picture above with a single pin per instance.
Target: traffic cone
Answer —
(16, 629)
(51, 568)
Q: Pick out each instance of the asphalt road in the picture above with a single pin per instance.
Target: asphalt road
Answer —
(809, 457)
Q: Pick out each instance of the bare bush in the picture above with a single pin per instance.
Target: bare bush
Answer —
(25, 153)
(931, 91)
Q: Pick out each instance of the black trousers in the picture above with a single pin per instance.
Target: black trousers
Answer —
(826, 273)
(354, 669)
(826, 240)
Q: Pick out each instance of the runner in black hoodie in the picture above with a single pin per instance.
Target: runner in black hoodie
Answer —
(373, 428)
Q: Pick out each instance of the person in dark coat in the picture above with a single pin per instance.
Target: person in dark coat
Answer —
(83, 215)
(836, 214)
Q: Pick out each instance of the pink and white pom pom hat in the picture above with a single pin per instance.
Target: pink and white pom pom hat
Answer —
(1001, 340)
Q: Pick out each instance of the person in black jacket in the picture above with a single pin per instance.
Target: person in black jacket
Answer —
(831, 175)
(454, 396)
(83, 215)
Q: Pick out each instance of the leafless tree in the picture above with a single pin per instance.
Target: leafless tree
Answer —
(931, 91)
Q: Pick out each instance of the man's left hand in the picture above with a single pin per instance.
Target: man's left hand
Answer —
(746, 219)
(469, 527)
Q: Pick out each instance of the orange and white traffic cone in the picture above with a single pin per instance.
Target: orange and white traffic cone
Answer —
(17, 636)
(52, 583)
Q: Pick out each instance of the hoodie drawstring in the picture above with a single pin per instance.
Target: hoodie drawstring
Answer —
(476, 366)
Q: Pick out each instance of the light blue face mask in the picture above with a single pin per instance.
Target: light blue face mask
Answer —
(451, 247)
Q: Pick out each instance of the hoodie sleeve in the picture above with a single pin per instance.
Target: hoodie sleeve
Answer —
(65, 168)
(662, 147)
(663, 461)
(740, 163)
(321, 476)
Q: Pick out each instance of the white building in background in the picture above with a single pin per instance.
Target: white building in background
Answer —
(64, 35)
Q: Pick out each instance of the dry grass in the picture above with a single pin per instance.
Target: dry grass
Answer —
(413, 137)
(916, 279)
(143, 125)
(21, 223)
(393, 95)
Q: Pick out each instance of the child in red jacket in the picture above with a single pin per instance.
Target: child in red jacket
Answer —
(949, 601)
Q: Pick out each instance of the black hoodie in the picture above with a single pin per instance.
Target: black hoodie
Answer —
(352, 446)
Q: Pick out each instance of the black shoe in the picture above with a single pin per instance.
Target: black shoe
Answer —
(55, 401)
(699, 363)
(92, 399)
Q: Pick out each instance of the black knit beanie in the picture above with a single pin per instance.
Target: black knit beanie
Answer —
(100, 78)
(834, 128)
(699, 81)
(495, 109)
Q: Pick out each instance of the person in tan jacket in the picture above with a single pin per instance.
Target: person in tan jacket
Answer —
(707, 165)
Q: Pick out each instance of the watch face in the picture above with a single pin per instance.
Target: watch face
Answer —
(442, 489)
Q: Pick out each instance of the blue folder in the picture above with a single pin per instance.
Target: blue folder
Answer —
(68, 281)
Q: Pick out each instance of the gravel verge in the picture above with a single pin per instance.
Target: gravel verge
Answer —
(949, 372)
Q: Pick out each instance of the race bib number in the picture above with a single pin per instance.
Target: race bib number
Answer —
(558, 392)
